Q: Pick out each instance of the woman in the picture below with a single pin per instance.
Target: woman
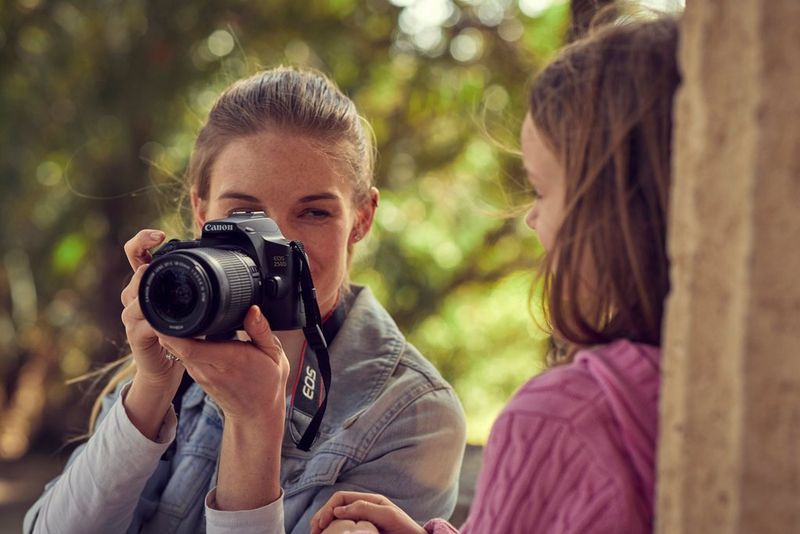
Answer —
(289, 143)
(574, 450)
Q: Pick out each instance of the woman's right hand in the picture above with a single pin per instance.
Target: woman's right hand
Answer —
(149, 355)
(157, 378)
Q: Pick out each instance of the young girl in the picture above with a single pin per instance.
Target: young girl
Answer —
(288, 143)
(574, 450)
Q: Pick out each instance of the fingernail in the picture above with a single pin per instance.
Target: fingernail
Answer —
(156, 236)
(258, 317)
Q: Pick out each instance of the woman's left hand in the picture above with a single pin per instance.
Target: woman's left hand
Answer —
(360, 507)
(247, 379)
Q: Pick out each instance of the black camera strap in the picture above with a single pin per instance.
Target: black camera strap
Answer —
(318, 365)
(308, 393)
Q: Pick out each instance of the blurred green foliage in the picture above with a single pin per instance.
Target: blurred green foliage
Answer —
(99, 105)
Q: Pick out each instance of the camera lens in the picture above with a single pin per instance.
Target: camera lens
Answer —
(202, 291)
(174, 294)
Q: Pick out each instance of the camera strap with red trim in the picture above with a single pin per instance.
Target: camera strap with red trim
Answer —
(309, 394)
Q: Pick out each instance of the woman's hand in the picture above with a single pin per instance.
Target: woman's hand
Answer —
(149, 355)
(356, 506)
(157, 378)
(345, 526)
(247, 379)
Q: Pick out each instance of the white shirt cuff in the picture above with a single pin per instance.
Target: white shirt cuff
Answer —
(265, 520)
(166, 433)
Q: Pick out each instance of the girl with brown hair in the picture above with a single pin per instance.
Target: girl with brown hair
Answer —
(574, 450)
(288, 143)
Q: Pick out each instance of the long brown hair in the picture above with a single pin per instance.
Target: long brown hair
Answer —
(292, 100)
(604, 106)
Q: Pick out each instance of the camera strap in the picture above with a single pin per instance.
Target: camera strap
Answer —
(314, 366)
(308, 393)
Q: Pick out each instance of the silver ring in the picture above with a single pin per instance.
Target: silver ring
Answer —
(171, 357)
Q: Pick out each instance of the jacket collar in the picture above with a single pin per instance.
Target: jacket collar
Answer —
(364, 355)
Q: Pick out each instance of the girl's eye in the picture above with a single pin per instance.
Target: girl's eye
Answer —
(535, 193)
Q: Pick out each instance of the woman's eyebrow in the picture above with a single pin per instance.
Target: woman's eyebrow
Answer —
(319, 196)
(237, 195)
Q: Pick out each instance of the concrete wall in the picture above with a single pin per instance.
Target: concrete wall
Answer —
(729, 456)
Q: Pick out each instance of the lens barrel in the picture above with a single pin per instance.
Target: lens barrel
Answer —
(200, 291)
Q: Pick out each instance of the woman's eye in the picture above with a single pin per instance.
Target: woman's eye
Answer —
(534, 193)
(315, 214)
(234, 210)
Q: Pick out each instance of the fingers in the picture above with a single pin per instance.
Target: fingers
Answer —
(137, 249)
(131, 291)
(139, 332)
(204, 366)
(365, 527)
(261, 334)
(325, 515)
(208, 352)
(345, 526)
(322, 519)
(193, 351)
(343, 498)
(379, 514)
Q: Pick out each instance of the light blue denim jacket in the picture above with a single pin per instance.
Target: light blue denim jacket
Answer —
(393, 426)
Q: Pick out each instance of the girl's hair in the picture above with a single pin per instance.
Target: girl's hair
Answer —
(604, 106)
(296, 101)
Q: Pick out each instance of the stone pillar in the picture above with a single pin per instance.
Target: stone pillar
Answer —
(729, 455)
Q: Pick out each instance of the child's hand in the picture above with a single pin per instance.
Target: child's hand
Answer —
(355, 506)
(345, 526)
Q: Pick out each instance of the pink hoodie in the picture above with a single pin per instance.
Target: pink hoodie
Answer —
(574, 450)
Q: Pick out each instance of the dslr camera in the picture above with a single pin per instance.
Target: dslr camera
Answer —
(205, 286)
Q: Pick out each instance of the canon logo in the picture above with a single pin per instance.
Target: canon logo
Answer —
(216, 227)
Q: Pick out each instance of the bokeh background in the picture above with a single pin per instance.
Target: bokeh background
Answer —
(99, 105)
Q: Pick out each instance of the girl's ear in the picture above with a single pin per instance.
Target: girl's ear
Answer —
(365, 214)
(199, 209)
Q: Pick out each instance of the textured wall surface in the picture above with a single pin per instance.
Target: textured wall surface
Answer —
(729, 458)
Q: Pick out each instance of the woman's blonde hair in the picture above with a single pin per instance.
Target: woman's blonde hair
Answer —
(604, 106)
(291, 100)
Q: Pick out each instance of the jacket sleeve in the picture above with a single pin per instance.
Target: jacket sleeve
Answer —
(100, 486)
(413, 458)
(538, 476)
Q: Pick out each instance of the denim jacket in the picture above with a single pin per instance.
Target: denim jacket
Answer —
(393, 426)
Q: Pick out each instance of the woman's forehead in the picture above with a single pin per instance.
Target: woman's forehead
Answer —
(269, 162)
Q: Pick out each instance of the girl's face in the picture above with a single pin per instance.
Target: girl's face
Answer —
(546, 176)
(302, 190)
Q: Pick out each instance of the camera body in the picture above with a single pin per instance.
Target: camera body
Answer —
(205, 286)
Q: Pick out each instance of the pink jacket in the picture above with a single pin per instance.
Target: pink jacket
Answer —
(574, 450)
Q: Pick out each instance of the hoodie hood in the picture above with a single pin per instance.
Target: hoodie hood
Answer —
(629, 375)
